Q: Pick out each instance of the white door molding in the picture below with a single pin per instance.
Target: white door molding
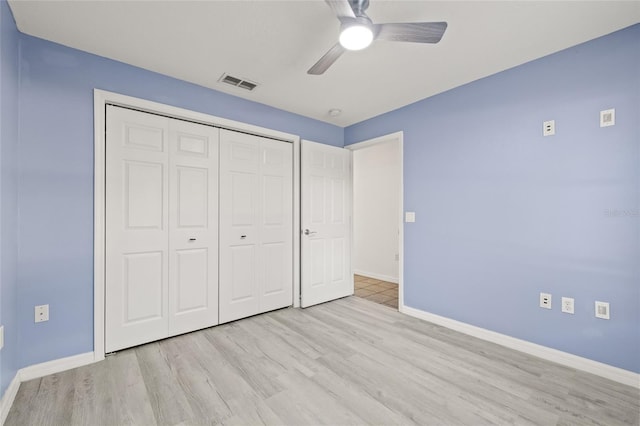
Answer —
(396, 137)
(101, 98)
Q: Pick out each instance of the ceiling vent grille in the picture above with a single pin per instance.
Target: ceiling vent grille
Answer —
(238, 82)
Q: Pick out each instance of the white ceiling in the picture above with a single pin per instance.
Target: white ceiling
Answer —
(275, 42)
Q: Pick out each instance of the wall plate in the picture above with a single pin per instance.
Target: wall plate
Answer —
(41, 313)
(568, 305)
(602, 310)
(545, 300)
(607, 118)
(549, 128)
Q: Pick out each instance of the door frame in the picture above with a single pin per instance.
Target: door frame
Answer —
(397, 137)
(100, 99)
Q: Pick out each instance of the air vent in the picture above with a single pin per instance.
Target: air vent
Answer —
(238, 82)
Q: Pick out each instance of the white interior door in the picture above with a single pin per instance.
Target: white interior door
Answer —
(256, 235)
(137, 228)
(193, 226)
(326, 223)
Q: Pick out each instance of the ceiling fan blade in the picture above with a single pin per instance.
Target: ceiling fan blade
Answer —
(327, 60)
(415, 32)
(341, 8)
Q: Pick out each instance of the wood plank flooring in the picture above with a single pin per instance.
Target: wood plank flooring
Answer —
(347, 362)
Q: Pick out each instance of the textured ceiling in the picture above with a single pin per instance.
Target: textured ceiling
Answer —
(275, 42)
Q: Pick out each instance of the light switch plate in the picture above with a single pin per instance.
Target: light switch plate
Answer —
(409, 217)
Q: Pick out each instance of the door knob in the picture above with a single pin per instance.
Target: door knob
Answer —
(307, 232)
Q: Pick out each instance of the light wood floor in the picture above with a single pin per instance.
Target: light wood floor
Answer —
(350, 361)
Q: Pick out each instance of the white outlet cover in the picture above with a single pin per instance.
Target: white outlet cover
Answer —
(409, 217)
(545, 300)
(607, 118)
(1, 336)
(602, 310)
(549, 128)
(568, 305)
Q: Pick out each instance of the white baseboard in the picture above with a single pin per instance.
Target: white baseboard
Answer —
(381, 277)
(55, 366)
(574, 361)
(8, 397)
(40, 370)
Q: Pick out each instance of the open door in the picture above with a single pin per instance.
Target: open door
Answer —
(326, 223)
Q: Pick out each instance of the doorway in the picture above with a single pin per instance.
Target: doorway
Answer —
(377, 219)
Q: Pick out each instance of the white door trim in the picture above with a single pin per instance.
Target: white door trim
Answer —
(397, 136)
(100, 99)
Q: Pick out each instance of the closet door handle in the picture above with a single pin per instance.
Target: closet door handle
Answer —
(192, 239)
(307, 232)
(242, 237)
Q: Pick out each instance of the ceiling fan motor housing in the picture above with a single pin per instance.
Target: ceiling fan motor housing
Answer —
(359, 20)
(359, 6)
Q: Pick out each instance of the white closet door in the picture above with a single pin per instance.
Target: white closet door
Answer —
(137, 228)
(326, 223)
(239, 230)
(276, 221)
(193, 226)
(255, 225)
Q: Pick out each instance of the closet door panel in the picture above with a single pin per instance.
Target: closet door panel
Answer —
(239, 225)
(136, 273)
(276, 214)
(193, 226)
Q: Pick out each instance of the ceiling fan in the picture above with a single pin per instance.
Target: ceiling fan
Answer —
(358, 31)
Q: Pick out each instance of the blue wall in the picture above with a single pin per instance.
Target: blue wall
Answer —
(56, 179)
(8, 191)
(504, 214)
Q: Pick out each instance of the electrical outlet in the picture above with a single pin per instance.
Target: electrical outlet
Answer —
(602, 310)
(42, 313)
(545, 300)
(549, 128)
(1, 336)
(567, 305)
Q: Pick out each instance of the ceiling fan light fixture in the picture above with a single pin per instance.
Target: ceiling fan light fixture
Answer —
(358, 31)
(356, 36)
